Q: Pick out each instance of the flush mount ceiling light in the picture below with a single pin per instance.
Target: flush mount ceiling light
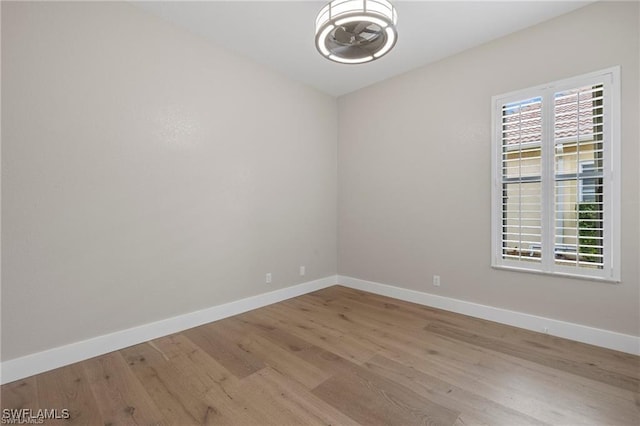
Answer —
(356, 31)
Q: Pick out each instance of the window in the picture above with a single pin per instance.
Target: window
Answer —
(556, 177)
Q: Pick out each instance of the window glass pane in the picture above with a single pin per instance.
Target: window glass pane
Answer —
(522, 122)
(521, 221)
(522, 163)
(521, 175)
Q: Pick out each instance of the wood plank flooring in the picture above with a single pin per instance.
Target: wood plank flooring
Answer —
(343, 357)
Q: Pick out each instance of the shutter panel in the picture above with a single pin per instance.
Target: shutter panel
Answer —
(578, 183)
(521, 204)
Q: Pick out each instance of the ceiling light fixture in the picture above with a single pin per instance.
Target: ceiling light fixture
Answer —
(356, 31)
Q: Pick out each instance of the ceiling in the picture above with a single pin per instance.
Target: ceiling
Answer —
(280, 34)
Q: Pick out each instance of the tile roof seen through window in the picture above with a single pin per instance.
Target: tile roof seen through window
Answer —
(577, 114)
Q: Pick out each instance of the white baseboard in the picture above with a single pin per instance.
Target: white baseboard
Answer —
(594, 336)
(39, 362)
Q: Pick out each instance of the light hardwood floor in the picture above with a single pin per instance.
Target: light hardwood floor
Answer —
(344, 357)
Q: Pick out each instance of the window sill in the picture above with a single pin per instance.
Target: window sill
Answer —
(557, 274)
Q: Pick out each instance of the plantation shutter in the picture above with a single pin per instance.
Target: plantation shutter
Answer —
(578, 134)
(521, 180)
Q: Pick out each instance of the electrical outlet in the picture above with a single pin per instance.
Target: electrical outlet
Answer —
(267, 278)
(436, 280)
(303, 270)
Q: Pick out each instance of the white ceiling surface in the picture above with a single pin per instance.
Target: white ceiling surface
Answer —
(280, 34)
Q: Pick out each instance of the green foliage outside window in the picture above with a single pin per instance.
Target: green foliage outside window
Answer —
(589, 225)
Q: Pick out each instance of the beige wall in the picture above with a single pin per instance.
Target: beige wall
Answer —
(147, 173)
(414, 170)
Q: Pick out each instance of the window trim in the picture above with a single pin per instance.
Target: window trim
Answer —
(610, 78)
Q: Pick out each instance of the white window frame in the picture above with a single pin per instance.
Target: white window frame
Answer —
(610, 79)
(581, 167)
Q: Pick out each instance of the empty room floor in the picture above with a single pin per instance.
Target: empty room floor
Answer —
(342, 357)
